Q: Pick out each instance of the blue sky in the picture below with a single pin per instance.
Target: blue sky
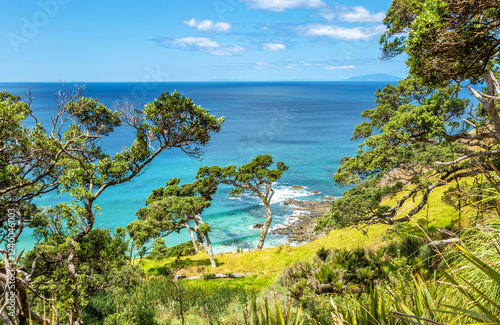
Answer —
(191, 40)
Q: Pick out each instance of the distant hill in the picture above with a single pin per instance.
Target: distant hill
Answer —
(375, 77)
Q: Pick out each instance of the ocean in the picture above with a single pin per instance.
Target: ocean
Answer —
(307, 125)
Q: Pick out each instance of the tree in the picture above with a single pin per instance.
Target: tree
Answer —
(446, 40)
(254, 178)
(420, 132)
(19, 149)
(69, 158)
(170, 209)
(405, 138)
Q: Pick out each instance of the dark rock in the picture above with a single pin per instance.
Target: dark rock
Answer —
(258, 226)
(302, 230)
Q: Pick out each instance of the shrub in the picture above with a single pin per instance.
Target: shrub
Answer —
(160, 251)
(392, 249)
(139, 315)
(409, 246)
(208, 276)
(322, 254)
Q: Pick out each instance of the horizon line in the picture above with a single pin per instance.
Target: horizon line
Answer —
(196, 81)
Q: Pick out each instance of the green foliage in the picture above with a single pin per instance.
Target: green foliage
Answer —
(264, 315)
(97, 117)
(376, 312)
(73, 260)
(411, 129)
(101, 261)
(208, 276)
(322, 254)
(445, 40)
(205, 228)
(355, 204)
(139, 315)
(409, 246)
(160, 251)
(187, 124)
(406, 116)
(341, 272)
(255, 178)
(169, 209)
(248, 177)
(156, 299)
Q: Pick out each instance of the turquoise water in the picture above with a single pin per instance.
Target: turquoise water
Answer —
(307, 125)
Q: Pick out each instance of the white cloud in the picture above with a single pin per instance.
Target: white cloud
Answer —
(358, 14)
(228, 50)
(300, 65)
(339, 67)
(203, 44)
(273, 46)
(208, 25)
(195, 41)
(341, 33)
(281, 5)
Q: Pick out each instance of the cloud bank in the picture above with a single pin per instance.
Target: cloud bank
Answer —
(203, 44)
(208, 25)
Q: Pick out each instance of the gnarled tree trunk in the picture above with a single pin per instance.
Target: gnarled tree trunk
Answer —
(208, 242)
(201, 239)
(267, 225)
(195, 245)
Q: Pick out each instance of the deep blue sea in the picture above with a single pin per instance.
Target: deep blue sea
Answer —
(307, 125)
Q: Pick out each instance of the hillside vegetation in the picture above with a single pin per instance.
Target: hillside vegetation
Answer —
(270, 262)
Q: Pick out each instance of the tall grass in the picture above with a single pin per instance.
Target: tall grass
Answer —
(158, 296)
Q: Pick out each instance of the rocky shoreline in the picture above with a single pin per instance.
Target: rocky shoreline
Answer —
(301, 230)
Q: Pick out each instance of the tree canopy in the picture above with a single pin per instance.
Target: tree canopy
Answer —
(170, 209)
(67, 156)
(445, 40)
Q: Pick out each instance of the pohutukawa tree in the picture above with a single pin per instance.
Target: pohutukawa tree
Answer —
(445, 40)
(172, 208)
(422, 133)
(254, 178)
(67, 156)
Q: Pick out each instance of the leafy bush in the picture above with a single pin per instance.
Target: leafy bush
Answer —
(160, 251)
(200, 299)
(322, 254)
(392, 249)
(336, 271)
(139, 315)
(208, 276)
(264, 315)
(409, 246)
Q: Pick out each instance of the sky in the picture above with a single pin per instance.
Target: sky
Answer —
(192, 40)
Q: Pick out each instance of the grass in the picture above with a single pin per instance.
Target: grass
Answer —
(266, 264)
